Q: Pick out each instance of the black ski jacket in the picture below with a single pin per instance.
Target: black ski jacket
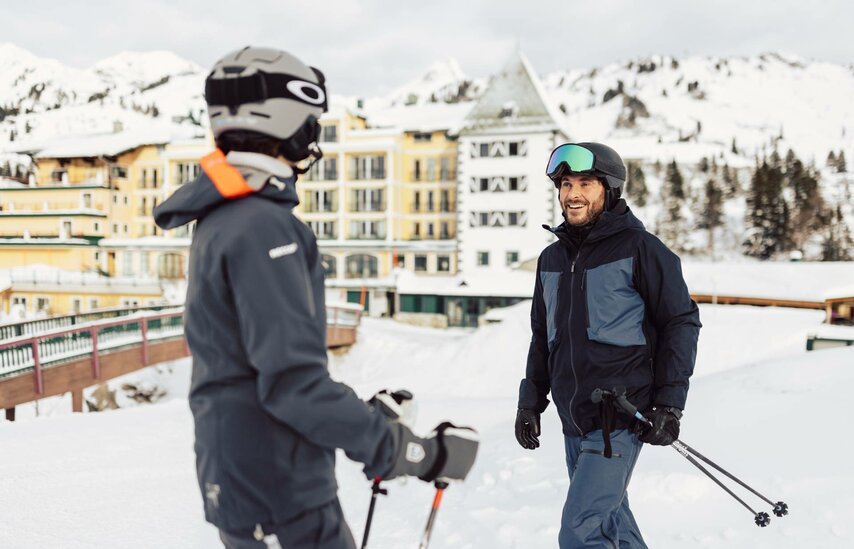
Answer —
(268, 418)
(614, 311)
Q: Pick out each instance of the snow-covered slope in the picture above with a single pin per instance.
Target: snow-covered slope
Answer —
(41, 99)
(104, 479)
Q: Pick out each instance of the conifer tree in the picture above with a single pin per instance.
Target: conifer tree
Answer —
(841, 166)
(808, 205)
(838, 244)
(767, 214)
(636, 188)
(711, 214)
(831, 159)
(672, 226)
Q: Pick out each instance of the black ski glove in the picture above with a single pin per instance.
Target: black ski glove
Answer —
(448, 453)
(528, 429)
(665, 426)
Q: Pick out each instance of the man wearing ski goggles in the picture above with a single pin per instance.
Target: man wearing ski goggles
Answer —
(610, 309)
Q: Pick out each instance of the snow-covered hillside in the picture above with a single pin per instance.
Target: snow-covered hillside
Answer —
(41, 99)
(759, 405)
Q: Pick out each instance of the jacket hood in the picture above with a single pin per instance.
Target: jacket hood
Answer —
(617, 219)
(225, 178)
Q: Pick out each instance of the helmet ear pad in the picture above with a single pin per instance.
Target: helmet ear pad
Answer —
(296, 147)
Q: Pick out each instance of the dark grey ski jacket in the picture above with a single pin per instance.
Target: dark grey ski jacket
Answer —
(613, 312)
(268, 418)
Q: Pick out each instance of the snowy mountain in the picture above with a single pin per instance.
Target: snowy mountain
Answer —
(41, 98)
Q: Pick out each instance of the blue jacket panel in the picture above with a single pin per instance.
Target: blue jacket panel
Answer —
(613, 312)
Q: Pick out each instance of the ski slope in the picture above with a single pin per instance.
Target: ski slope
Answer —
(759, 405)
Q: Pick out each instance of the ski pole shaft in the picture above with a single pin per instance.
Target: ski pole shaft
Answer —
(375, 490)
(437, 500)
(724, 471)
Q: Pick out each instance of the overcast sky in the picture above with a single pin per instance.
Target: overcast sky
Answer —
(367, 47)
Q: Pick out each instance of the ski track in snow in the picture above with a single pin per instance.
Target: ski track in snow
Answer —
(759, 406)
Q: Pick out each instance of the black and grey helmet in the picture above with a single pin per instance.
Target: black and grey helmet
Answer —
(589, 158)
(269, 92)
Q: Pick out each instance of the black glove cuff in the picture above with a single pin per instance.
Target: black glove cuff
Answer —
(441, 455)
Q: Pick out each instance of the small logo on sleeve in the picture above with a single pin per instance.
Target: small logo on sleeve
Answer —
(282, 251)
(415, 452)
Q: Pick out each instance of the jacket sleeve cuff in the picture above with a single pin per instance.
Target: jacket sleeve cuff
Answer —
(530, 397)
(672, 397)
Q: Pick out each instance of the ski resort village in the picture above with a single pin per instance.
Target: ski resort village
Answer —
(430, 208)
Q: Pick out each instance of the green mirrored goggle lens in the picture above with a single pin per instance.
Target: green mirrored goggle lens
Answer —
(577, 158)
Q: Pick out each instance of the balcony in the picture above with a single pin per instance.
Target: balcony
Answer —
(326, 207)
(422, 207)
(380, 235)
(367, 207)
(373, 175)
(436, 177)
(327, 176)
(52, 207)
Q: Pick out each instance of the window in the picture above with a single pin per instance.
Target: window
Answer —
(431, 169)
(97, 257)
(417, 231)
(125, 200)
(323, 230)
(484, 219)
(429, 201)
(170, 266)
(513, 218)
(421, 137)
(143, 178)
(362, 266)
(43, 304)
(367, 230)
(445, 173)
(155, 175)
(19, 300)
(443, 263)
(483, 259)
(430, 233)
(484, 150)
(484, 184)
(401, 261)
(420, 263)
(127, 265)
(129, 303)
(416, 172)
(512, 257)
(329, 134)
(513, 148)
(367, 200)
(76, 305)
(119, 172)
(93, 303)
(97, 228)
(116, 199)
(87, 201)
(59, 176)
(329, 264)
(65, 230)
(416, 206)
(445, 232)
(126, 229)
(445, 202)
(186, 171)
(145, 263)
(514, 183)
(115, 228)
(320, 201)
(330, 169)
(368, 167)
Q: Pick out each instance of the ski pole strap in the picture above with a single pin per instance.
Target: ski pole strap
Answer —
(607, 417)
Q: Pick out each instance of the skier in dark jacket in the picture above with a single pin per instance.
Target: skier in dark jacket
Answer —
(610, 309)
(268, 417)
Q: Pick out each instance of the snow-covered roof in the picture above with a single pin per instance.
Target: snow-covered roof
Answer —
(422, 118)
(795, 281)
(516, 93)
(110, 144)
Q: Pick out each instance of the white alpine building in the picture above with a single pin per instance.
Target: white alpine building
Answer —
(504, 196)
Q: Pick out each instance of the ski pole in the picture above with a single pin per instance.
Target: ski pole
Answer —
(375, 490)
(761, 519)
(437, 500)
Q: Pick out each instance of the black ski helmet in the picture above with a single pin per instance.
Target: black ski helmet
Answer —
(589, 158)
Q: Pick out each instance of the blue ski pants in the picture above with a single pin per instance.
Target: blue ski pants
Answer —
(596, 513)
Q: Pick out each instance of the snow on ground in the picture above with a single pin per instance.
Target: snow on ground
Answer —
(759, 405)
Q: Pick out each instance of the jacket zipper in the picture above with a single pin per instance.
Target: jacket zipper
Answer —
(571, 346)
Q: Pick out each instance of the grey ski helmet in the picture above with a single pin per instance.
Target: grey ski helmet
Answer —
(270, 92)
(589, 158)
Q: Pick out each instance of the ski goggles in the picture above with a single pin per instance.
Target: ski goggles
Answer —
(576, 158)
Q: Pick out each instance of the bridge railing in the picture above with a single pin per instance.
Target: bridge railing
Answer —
(31, 327)
(35, 352)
